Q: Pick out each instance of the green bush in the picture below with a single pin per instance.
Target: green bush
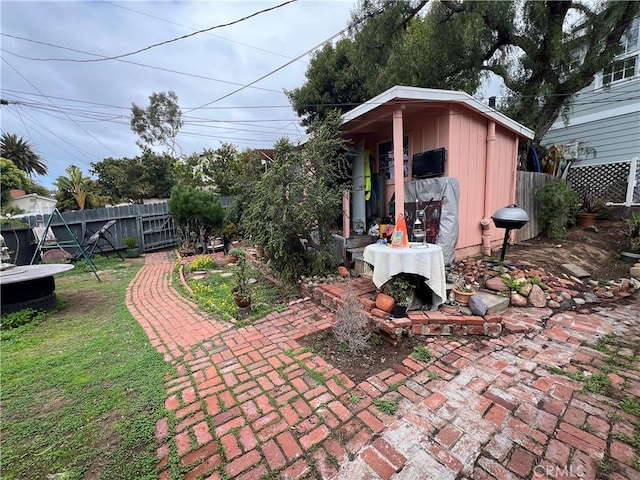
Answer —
(558, 206)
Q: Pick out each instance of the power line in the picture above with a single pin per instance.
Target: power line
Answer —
(192, 28)
(162, 69)
(182, 37)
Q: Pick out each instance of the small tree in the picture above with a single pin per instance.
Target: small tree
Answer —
(75, 183)
(197, 210)
(295, 204)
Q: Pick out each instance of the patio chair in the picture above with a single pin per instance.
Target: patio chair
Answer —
(92, 241)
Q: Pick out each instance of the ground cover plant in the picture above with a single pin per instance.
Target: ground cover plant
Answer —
(213, 293)
(82, 388)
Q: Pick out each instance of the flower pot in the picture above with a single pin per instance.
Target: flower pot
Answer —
(241, 300)
(132, 252)
(384, 302)
(462, 297)
(449, 307)
(585, 219)
(399, 311)
(232, 258)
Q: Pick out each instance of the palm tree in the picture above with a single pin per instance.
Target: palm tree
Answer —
(75, 183)
(22, 154)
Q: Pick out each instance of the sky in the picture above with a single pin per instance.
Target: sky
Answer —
(78, 112)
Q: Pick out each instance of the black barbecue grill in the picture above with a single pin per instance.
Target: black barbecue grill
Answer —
(510, 218)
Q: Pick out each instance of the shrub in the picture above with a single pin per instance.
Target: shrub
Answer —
(352, 325)
(559, 205)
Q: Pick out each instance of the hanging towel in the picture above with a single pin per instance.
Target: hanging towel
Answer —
(367, 175)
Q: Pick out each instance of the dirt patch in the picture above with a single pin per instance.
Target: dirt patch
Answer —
(595, 250)
(380, 356)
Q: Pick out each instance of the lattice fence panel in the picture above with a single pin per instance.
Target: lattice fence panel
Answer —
(607, 180)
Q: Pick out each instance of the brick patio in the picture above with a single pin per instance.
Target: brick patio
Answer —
(250, 403)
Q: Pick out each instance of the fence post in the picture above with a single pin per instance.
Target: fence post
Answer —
(631, 182)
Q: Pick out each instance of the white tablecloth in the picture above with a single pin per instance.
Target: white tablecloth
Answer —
(427, 262)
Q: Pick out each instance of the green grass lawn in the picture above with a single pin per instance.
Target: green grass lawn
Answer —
(82, 388)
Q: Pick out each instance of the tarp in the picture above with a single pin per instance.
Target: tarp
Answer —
(446, 189)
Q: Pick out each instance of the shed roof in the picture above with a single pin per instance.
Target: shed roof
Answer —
(416, 98)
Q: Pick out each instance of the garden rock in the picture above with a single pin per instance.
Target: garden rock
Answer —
(518, 300)
(496, 284)
(591, 298)
(537, 297)
(477, 306)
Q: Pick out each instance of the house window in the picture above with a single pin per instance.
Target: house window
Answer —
(619, 70)
(385, 158)
(629, 40)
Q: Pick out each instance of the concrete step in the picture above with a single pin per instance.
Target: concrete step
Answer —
(495, 303)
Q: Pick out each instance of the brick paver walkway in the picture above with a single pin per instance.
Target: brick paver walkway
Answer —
(250, 403)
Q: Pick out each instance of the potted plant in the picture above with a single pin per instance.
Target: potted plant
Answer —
(462, 291)
(241, 291)
(234, 254)
(132, 250)
(590, 207)
(632, 254)
(402, 290)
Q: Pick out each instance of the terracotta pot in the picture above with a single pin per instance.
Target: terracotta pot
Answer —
(449, 308)
(242, 301)
(586, 219)
(232, 258)
(384, 302)
(462, 297)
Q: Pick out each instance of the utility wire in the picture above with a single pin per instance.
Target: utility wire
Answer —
(169, 70)
(50, 101)
(115, 57)
(194, 29)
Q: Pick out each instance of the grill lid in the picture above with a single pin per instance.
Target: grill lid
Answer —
(510, 217)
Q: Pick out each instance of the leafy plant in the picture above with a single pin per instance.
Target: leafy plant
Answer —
(400, 288)
(235, 252)
(558, 208)
(21, 317)
(130, 242)
(422, 353)
(390, 407)
(633, 223)
(591, 202)
(241, 276)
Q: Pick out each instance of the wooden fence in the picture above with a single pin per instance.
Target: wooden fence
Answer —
(151, 225)
(526, 185)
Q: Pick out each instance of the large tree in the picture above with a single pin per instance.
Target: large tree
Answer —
(453, 44)
(22, 154)
(159, 123)
(149, 175)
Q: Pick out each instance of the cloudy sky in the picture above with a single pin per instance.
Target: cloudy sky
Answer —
(76, 110)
